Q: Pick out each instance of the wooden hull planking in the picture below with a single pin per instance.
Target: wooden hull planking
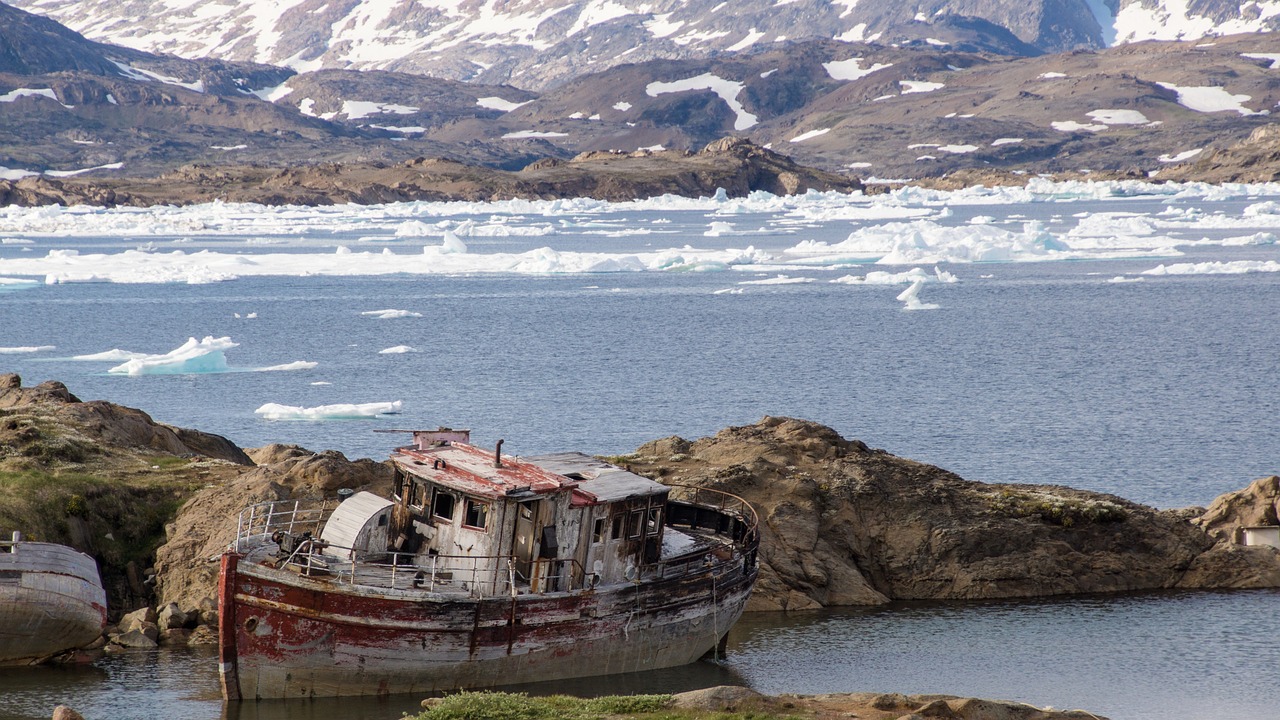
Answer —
(286, 636)
(51, 600)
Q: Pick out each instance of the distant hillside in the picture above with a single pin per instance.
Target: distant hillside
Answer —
(536, 44)
(973, 98)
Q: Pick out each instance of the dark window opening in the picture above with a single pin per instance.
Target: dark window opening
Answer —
(442, 506)
(617, 527)
(654, 522)
(477, 515)
(597, 532)
(417, 494)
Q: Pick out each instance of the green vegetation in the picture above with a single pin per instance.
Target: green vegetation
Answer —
(620, 460)
(519, 706)
(1055, 509)
(122, 519)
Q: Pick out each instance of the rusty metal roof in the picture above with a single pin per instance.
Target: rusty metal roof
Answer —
(608, 483)
(470, 469)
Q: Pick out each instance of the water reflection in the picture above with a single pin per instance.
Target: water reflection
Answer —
(1139, 657)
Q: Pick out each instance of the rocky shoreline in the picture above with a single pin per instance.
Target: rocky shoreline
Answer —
(843, 524)
(733, 165)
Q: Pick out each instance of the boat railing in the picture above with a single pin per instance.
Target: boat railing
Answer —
(722, 514)
(551, 575)
(473, 575)
(295, 517)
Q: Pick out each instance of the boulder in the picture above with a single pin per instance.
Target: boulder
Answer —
(171, 616)
(62, 712)
(137, 639)
(722, 698)
(137, 618)
(203, 635)
(1258, 504)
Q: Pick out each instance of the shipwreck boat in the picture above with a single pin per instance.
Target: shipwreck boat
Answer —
(481, 570)
(51, 600)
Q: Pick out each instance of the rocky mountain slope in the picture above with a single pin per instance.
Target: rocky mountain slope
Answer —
(536, 44)
(922, 109)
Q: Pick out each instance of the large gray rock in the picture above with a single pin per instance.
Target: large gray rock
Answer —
(843, 524)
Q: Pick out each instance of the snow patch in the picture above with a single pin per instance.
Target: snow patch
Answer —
(497, 103)
(851, 69)
(728, 91)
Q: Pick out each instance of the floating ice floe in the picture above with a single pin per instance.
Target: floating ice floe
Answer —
(1234, 267)
(391, 314)
(779, 280)
(397, 350)
(113, 355)
(924, 241)
(1125, 279)
(192, 357)
(26, 349)
(910, 298)
(276, 411)
(880, 277)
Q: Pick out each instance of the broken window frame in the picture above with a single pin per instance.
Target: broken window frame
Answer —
(470, 506)
(436, 495)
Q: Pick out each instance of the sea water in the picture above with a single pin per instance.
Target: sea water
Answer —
(1117, 337)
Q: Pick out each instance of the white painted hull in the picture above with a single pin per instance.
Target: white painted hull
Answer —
(51, 600)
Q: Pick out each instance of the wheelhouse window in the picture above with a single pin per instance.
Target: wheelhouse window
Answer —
(442, 506)
(654, 521)
(417, 493)
(477, 516)
(618, 521)
(635, 523)
(597, 531)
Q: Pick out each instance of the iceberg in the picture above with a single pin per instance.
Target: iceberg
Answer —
(397, 350)
(275, 411)
(910, 298)
(193, 356)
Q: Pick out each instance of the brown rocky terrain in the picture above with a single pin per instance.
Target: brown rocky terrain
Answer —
(844, 524)
(110, 481)
(735, 165)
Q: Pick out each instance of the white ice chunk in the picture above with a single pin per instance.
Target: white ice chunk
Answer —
(193, 356)
(910, 298)
(397, 350)
(1233, 267)
(275, 411)
(113, 355)
(26, 349)
(391, 314)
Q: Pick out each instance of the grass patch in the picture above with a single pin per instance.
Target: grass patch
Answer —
(519, 706)
(1056, 510)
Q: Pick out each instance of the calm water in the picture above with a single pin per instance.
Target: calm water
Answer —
(1162, 391)
(1187, 656)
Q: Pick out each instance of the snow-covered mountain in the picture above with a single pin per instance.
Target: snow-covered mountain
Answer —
(539, 43)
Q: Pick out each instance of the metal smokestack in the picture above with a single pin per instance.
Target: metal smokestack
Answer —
(497, 455)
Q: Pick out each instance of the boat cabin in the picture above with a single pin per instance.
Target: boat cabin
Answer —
(552, 522)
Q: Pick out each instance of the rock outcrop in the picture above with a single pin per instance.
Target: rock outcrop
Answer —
(871, 706)
(187, 565)
(844, 524)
